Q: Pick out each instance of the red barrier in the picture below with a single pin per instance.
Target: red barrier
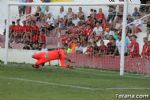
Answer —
(137, 65)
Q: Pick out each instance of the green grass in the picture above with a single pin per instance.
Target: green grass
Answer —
(22, 82)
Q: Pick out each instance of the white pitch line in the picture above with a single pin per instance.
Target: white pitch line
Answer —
(69, 86)
(136, 76)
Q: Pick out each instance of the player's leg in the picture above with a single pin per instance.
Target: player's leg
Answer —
(40, 62)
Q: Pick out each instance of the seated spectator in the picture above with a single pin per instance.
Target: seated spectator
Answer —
(145, 50)
(89, 50)
(100, 15)
(75, 20)
(115, 36)
(81, 14)
(50, 22)
(90, 21)
(136, 13)
(102, 48)
(98, 30)
(111, 46)
(95, 48)
(88, 30)
(133, 47)
(42, 37)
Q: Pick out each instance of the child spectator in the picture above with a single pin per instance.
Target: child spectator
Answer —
(111, 46)
(102, 48)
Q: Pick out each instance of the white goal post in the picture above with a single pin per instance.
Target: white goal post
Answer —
(122, 65)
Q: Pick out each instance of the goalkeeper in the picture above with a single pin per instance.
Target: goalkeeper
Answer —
(46, 56)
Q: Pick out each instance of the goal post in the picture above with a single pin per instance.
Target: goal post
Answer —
(122, 65)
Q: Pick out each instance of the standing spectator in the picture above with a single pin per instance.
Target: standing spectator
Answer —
(28, 8)
(133, 47)
(146, 48)
(22, 8)
(136, 13)
(81, 14)
(62, 14)
(111, 13)
(100, 15)
(70, 13)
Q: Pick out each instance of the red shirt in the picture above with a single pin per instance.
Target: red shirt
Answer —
(145, 50)
(35, 29)
(12, 28)
(43, 38)
(88, 31)
(103, 48)
(24, 28)
(90, 22)
(100, 16)
(134, 48)
(18, 28)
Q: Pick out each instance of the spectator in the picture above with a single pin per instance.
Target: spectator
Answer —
(111, 13)
(50, 22)
(133, 47)
(136, 13)
(145, 50)
(111, 46)
(37, 13)
(75, 20)
(22, 8)
(98, 30)
(129, 19)
(102, 48)
(100, 15)
(81, 14)
(70, 14)
(62, 14)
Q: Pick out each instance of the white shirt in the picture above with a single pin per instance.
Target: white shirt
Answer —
(75, 21)
(98, 30)
(62, 15)
(119, 44)
(51, 21)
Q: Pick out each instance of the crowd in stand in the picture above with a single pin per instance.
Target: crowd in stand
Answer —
(94, 34)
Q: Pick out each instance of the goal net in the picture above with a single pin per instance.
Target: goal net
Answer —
(90, 33)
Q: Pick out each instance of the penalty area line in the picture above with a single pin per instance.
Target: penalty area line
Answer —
(69, 86)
